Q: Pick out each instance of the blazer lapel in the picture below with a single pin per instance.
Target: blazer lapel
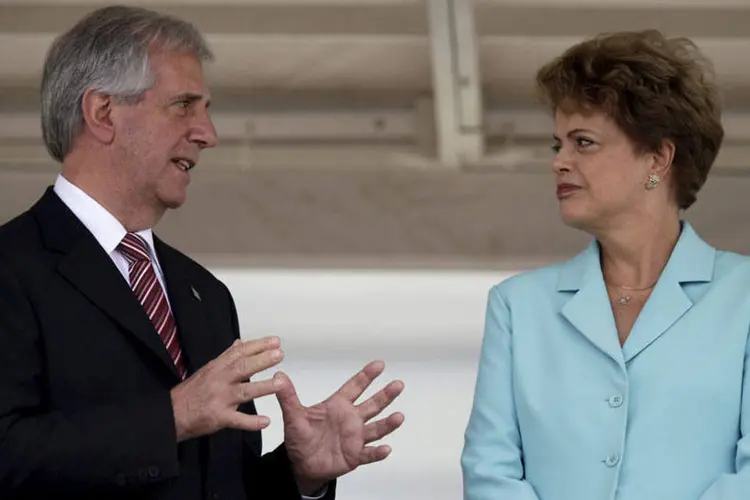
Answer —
(590, 312)
(87, 267)
(588, 308)
(692, 261)
(187, 306)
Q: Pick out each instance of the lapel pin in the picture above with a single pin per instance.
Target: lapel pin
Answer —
(196, 294)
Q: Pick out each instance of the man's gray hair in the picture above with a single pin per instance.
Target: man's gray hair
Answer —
(106, 51)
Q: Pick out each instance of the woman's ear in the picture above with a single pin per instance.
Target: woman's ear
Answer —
(97, 109)
(663, 159)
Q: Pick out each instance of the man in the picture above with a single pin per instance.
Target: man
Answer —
(122, 375)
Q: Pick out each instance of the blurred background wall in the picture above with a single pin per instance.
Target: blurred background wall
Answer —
(382, 164)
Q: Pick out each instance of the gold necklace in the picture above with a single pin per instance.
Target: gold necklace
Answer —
(624, 299)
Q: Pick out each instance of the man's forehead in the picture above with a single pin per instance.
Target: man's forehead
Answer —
(184, 83)
(178, 65)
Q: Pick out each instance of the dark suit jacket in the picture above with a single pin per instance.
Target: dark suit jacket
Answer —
(85, 408)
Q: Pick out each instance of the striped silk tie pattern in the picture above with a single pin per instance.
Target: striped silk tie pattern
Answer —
(148, 290)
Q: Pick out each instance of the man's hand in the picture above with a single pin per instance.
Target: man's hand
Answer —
(207, 401)
(330, 439)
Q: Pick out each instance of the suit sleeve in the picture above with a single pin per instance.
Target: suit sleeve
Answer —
(492, 457)
(737, 486)
(105, 449)
(267, 476)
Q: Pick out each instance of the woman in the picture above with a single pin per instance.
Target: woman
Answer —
(620, 374)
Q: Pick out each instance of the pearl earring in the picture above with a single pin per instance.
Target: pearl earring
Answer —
(653, 181)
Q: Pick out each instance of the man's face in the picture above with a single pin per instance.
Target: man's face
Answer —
(160, 138)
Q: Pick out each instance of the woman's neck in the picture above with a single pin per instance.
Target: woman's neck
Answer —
(635, 254)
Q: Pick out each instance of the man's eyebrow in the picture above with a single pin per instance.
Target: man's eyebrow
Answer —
(191, 98)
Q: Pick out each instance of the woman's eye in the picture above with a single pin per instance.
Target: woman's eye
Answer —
(582, 142)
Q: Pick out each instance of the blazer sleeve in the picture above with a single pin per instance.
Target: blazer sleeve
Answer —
(492, 457)
(737, 486)
(266, 476)
(48, 453)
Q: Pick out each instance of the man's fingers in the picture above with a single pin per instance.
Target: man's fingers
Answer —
(372, 454)
(253, 390)
(383, 427)
(380, 400)
(359, 383)
(246, 348)
(241, 369)
(286, 394)
(245, 422)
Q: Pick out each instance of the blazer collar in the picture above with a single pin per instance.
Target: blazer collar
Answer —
(692, 260)
(589, 310)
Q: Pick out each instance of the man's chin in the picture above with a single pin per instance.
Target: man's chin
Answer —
(174, 204)
(173, 201)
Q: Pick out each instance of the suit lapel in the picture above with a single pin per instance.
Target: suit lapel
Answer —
(692, 261)
(667, 304)
(187, 306)
(87, 267)
(588, 309)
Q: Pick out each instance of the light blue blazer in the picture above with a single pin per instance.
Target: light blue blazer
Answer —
(562, 412)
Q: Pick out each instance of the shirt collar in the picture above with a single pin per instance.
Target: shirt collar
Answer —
(104, 226)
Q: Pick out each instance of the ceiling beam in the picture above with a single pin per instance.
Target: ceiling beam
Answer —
(408, 19)
(342, 125)
(584, 21)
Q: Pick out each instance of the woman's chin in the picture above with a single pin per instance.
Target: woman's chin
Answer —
(578, 219)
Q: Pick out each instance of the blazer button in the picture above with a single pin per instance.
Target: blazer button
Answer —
(615, 401)
(153, 472)
(612, 460)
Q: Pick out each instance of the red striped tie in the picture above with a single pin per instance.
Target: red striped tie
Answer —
(147, 288)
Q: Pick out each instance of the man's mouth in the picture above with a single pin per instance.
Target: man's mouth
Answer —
(184, 164)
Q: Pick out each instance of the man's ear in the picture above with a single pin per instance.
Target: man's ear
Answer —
(97, 115)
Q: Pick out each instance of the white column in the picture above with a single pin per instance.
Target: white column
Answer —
(456, 82)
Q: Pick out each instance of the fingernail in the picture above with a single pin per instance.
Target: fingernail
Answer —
(277, 354)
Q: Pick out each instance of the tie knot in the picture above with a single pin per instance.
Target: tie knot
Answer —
(134, 248)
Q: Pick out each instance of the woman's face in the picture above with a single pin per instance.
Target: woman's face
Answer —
(599, 175)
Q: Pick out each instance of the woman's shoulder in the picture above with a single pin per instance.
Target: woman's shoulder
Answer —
(534, 281)
(727, 262)
(548, 279)
(731, 271)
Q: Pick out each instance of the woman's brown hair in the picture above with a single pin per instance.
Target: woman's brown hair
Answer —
(654, 88)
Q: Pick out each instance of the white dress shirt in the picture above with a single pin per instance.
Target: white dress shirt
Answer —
(109, 232)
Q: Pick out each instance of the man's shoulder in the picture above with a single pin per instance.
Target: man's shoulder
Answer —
(19, 233)
(178, 258)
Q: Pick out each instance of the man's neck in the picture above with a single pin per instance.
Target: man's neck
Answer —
(132, 214)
